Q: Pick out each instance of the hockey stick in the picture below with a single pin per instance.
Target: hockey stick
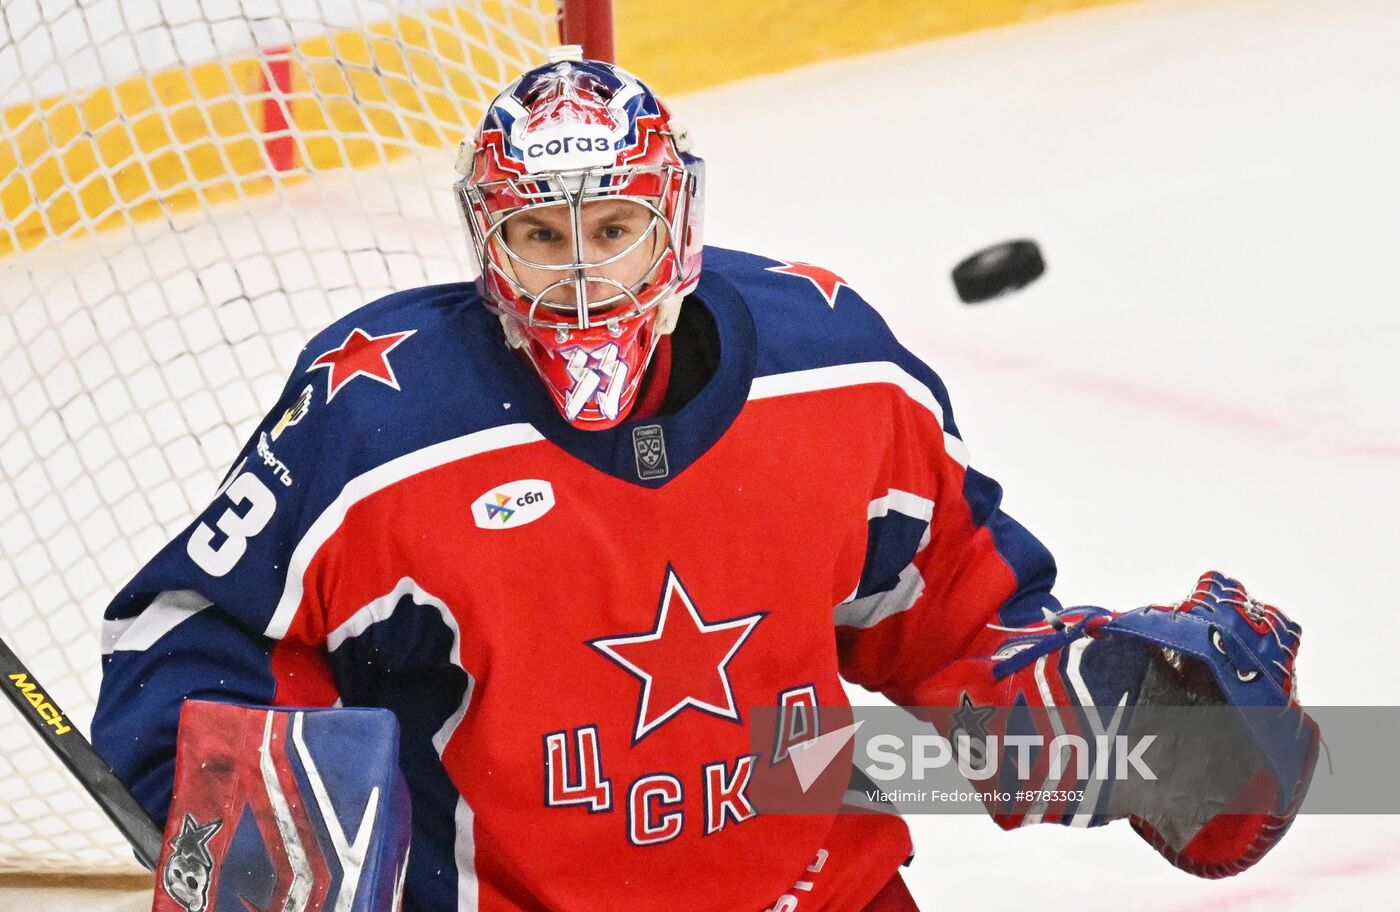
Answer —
(61, 737)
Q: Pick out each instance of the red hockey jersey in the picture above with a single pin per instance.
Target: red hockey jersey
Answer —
(573, 626)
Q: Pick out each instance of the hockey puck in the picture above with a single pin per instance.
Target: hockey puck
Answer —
(998, 269)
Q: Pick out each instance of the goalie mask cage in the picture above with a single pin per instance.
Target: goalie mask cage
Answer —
(189, 192)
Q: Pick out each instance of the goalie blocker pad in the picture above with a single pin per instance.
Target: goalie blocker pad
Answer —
(285, 808)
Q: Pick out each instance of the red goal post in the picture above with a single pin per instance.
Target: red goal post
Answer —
(185, 198)
(589, 24)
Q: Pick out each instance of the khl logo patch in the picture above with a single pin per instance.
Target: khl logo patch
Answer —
(649, 446)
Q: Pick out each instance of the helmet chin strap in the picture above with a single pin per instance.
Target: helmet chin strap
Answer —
(668, 313)
(515, 337)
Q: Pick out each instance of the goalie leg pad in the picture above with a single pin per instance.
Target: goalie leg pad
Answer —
(285, 808)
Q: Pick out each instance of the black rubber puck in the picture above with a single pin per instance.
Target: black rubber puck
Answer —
(998, 269)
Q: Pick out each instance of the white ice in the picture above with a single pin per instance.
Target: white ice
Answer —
(1204, 378)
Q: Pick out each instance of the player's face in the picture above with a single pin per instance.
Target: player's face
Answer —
(619, 236)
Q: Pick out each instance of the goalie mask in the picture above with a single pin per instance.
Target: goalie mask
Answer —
(583, 210)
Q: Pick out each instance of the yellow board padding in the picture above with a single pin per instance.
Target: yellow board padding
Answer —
(183, 137)
(158, 143)
(678, 47)
(118, 152)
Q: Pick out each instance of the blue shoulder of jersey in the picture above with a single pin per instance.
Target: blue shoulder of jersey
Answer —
(409, 370)
(807, 317)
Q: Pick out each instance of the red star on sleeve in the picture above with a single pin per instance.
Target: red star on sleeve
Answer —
(827, 282)
(360, 355)
(682, 662)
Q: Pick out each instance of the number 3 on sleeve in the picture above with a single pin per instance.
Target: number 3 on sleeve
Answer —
(237, 529)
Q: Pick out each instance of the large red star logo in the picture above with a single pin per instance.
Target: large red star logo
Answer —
(360, 355)
(682, 661)
(827, 282)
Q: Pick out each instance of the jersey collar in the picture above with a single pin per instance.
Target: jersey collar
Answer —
(629, 451)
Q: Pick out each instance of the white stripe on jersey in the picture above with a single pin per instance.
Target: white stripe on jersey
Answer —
(376, 479)
(911, 505)
(843, 375)
(464, 851)
(381, 609)
(409, 464)
(166, 611)
(872, 609)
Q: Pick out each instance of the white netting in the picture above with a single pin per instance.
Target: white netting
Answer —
(189, 190)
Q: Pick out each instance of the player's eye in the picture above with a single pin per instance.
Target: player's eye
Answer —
(542, 235)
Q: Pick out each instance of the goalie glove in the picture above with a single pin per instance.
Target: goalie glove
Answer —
(1222, 647)
(1231, 776)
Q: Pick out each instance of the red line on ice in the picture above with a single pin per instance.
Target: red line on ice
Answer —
(1143, 397)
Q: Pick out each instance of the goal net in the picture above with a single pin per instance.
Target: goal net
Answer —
(189, 191)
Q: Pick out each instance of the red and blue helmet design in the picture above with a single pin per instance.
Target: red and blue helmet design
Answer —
(562, 137)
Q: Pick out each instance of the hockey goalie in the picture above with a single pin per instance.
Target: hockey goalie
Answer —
(507, 568)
